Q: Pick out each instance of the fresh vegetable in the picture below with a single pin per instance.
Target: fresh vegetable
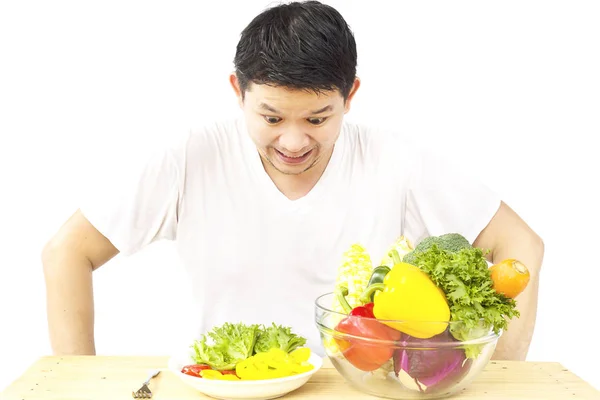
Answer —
(360, 350)
(377, 276)
(427, 364)
(365, 311)
(353, 274)
(399, 248)
(509, 277)
(452, 242)
(194, 369)
(274, 363)
(466, 280)
(410, 298)
(227, 375)
(231, 343)
(221, 351)
(279, 337)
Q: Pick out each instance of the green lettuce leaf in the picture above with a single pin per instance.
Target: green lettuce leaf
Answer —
(475, 307)
(226, 345)
(278, 337)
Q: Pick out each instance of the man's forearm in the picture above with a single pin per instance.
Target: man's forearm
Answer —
(515, 341)
(70, 304)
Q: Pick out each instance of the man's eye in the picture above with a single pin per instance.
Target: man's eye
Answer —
(317, 121)
(272, 120)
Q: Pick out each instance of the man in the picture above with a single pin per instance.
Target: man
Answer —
(262, 207)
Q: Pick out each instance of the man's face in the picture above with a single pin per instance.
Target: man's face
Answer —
(293, 130)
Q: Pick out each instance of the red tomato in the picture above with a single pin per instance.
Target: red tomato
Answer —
(194, 369)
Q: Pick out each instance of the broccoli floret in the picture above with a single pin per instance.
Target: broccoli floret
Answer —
(452, 242)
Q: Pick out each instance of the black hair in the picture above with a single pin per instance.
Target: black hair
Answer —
(300, 45)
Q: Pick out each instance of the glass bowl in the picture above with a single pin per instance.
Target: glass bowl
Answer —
(379, 360)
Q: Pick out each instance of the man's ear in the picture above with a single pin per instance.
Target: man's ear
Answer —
(355, 87)
(233, 80)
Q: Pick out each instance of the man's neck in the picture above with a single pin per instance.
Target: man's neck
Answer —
(297, 186)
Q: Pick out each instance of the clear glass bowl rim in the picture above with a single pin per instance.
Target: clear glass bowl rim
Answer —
(431, 344)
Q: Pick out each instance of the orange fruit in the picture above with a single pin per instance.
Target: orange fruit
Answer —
(510, 277)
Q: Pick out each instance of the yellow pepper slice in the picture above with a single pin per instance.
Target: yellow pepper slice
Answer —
(300, 354)
(214, 374)
(274, 363)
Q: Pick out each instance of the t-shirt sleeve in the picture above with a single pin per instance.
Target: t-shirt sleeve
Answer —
(443, 198)
(139, 205)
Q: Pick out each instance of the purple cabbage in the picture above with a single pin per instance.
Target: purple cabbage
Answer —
(429, 366)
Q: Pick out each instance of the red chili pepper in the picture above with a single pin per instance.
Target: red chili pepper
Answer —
(361, 322)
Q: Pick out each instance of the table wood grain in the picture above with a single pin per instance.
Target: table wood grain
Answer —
(115, 377)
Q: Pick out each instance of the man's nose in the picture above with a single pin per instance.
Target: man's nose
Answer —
(294, 140)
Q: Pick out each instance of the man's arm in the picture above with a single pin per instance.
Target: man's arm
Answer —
(69, 259)
(508, 236)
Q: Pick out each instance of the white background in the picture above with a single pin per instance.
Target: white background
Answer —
(509, 89)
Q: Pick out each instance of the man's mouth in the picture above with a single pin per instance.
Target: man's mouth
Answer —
(289, 159)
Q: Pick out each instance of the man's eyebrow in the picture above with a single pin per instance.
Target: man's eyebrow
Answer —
(267, 107)
(322, 110)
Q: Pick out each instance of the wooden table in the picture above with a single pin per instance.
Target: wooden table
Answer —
(112, 378)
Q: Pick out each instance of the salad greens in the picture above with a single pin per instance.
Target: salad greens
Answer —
(225, 346)
(279, 337)
(475, 307)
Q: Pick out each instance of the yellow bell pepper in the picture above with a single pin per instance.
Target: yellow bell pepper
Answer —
(410, 298)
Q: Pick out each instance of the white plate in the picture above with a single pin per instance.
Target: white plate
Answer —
(251, 389)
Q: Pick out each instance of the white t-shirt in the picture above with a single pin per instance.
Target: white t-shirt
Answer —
(252, 254)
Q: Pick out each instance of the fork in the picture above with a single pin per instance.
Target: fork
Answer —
(144, 392)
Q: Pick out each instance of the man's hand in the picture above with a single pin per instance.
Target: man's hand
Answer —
(69, 259)
(508, 236)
